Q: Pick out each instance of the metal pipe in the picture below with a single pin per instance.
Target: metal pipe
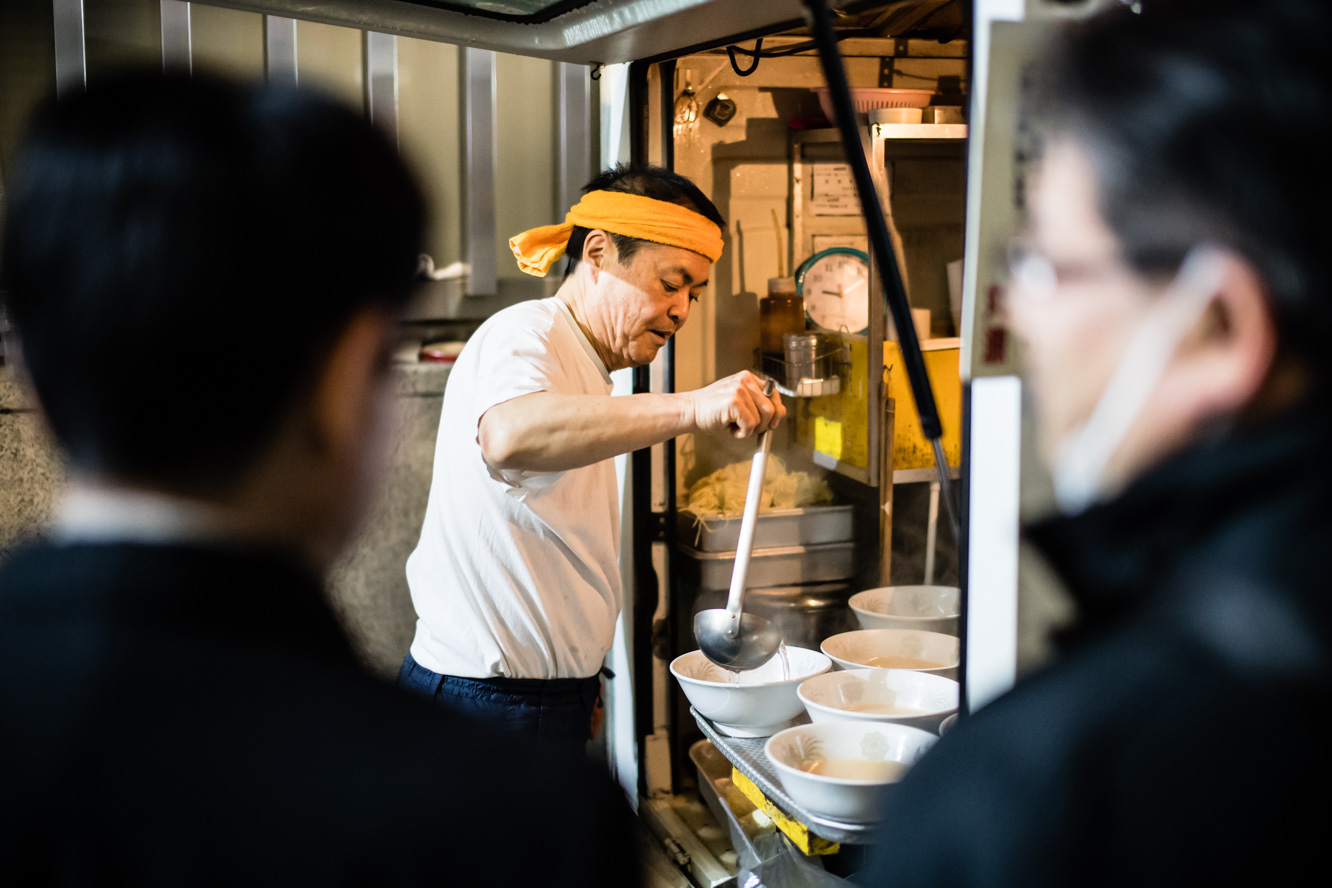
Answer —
(280, 50)
(946, 485)
(931, 533)
(176, 48)
(381, 82)
(71, 61)
(480, 144)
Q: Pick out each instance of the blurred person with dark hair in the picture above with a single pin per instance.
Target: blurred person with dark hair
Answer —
(205, 280)
(1173, 301)
(516, 578)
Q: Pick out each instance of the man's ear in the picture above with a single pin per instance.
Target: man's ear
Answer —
(597, 248)
(1232, 351)
(344, 405)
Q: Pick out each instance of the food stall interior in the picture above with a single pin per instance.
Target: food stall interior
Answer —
(733, 95)
(750, 123)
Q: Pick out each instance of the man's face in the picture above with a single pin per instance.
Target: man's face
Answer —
(647, 300)
(1075, 324)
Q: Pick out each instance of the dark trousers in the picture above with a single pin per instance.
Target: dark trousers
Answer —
(555, 712)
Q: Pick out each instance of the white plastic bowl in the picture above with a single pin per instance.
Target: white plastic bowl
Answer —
(794, 750)
(870, 695)
(756, 703)
(891, 648)
(928, 608)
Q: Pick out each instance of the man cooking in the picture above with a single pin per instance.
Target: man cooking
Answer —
(516, 580)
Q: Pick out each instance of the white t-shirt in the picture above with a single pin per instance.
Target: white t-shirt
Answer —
(516, 573)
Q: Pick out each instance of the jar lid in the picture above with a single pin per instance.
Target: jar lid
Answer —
(785, 286)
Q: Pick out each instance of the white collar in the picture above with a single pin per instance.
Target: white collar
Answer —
(583, 340)
(87, 514)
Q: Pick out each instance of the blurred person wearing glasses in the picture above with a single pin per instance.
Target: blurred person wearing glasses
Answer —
(1173, 301)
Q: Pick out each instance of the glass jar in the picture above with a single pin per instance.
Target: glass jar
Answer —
(781, 312)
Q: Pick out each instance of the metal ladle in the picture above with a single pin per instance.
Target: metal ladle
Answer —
(727, 636)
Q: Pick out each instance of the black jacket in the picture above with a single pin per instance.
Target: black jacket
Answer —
(175, 715)
(1179, 737)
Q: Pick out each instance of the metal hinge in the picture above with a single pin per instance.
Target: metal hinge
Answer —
(657, 525)
(678, 854)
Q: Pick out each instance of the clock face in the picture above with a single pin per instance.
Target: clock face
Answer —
(835, 287)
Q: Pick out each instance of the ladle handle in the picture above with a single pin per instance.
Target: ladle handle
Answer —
(748, 521)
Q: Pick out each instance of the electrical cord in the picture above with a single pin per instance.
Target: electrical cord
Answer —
(758, 52)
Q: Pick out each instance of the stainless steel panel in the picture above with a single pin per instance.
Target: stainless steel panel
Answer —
(780, 527)
(176, 35)
(603, 31)
(280, 50)
(477, 111)
(662, 816)
(381, 81)
(71, 63)
(773, 567)
(729, 806)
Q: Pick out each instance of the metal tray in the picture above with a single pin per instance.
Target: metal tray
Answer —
(774, 567)
(748, 757)
(780, 527)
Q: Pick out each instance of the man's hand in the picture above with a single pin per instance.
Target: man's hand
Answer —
(736, 403)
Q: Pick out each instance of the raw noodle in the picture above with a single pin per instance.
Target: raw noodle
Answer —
(723, 492)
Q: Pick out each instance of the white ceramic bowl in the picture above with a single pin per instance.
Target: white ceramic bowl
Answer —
(895, 649)
(845, 747)
(756, 703)
(947, 724)
(929, 608)
(899, 696)
(897, 115)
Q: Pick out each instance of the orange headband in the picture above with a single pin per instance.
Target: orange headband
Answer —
(631, 215)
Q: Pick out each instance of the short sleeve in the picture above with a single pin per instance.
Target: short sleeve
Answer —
(516, 359)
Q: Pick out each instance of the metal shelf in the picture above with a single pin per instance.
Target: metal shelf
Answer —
(812, 388)
(917, 476)
(747, 757)
(920, 132)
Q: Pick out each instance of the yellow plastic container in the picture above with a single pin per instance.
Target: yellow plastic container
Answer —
(912, 449)
(835, 425)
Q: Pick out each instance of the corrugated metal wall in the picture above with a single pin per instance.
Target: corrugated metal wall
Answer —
(417, 90)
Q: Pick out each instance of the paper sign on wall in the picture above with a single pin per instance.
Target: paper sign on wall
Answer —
(833, 191)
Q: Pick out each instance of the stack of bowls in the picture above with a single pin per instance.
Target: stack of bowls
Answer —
(870, 721)
(876, 716)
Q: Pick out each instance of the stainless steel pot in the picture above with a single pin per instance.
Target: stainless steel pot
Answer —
(805, 614)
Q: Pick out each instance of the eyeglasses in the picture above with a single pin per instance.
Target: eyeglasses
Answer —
(1037, 278)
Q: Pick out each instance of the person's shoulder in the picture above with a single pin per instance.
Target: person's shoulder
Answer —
(526, 328)
(536, 315)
